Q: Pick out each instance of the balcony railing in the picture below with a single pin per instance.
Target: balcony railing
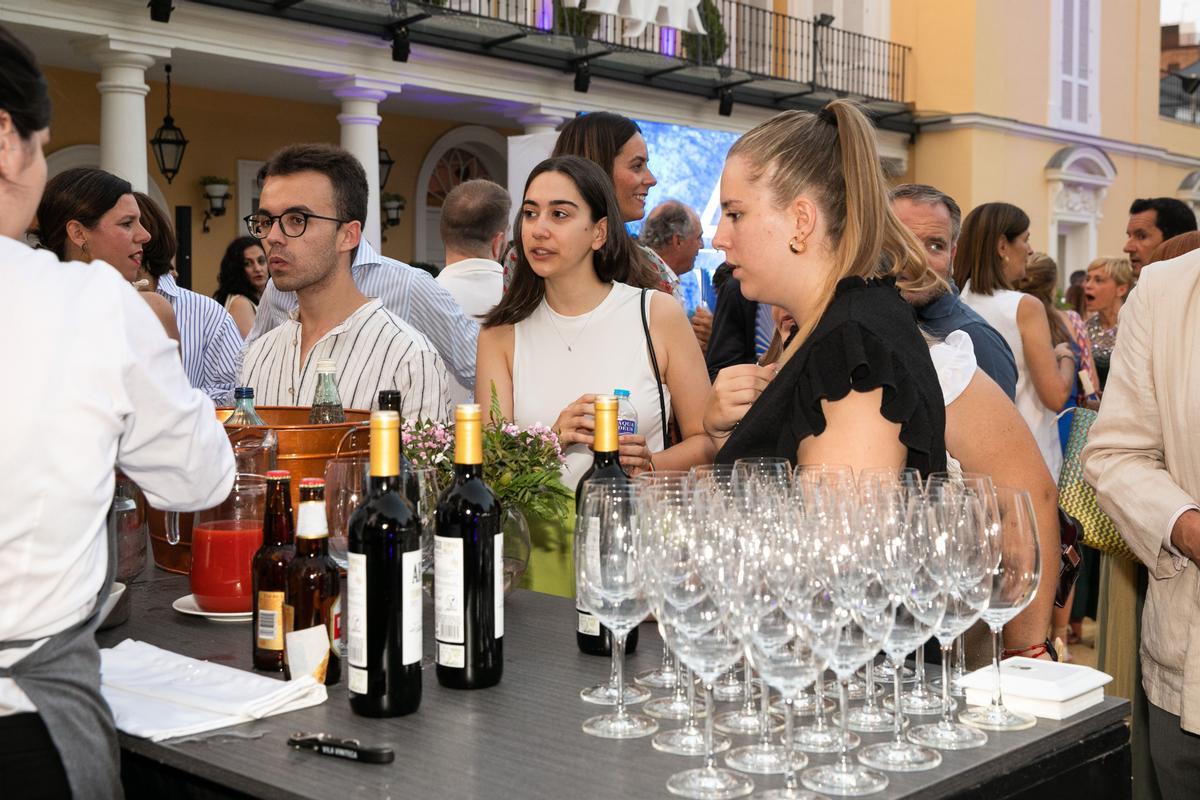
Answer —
(1175, 102)
(762, 57)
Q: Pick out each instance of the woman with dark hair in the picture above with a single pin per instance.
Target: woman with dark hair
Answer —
(241, 280)
(992, 255)
(209, 338)
(101, 389)
(91, 215)
(615, 144)
(571, 327)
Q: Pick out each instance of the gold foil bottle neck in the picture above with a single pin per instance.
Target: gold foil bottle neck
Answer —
(385, 443)
(606, 424)
(468, 434)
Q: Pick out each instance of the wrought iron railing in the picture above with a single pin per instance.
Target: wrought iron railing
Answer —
(1175, 102)
(740, 37)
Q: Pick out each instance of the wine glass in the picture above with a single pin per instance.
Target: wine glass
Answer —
(980, 485)
(961, 561)
(608, 580)
(605, 693)
(729, 688)
(428, 492)
(920, 603)
(679, 559)
(345, 489)
(1014, 582)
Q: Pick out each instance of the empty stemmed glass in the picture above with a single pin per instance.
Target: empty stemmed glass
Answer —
(609, 585)
(682, 576)
(605, 693)
(729, 687)
(920, 603)
(1014, 581)
(961, 561)
(777, 642)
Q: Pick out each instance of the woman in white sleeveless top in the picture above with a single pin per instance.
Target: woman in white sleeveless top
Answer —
(993, 250)
(568, 329)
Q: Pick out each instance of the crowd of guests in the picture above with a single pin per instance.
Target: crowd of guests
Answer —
(856, 323)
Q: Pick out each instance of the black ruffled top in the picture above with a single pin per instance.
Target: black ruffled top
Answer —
(867, 339)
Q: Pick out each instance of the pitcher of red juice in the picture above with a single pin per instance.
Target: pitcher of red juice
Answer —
(224, 541)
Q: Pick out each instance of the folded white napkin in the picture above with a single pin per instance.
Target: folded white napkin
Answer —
(157, 694)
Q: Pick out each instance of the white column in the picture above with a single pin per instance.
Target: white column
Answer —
(527, 151)
(360, 136)
(123, 90)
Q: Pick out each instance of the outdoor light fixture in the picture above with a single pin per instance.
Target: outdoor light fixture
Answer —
(1190, 82)
(823, 20)
(583, 76)
(385, 166)
(160, 10)
(401, 47)
(168, 142)
(725, 98)
(216, 206)
(393, 206)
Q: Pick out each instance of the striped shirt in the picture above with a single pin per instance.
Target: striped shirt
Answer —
(409, 293)
(373, 348)
(209, 338)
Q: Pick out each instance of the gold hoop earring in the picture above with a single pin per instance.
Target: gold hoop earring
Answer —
(797, 249)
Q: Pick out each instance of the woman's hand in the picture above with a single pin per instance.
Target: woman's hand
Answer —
(577, 422)
(734, 391)
(635, 455)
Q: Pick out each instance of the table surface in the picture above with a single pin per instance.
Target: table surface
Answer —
(521, 736)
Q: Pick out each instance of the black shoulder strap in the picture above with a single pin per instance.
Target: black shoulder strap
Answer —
(662, 401)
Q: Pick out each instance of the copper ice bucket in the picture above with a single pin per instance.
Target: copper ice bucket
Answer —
(303, 450)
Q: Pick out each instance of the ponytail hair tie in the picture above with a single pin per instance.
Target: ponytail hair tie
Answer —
(828, 116)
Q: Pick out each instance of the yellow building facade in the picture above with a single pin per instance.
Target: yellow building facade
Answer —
(987, 84)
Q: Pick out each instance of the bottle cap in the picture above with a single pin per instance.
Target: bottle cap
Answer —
(279, 475)
(312, 482)
(468, 412)
(621, 392)
(326, 365)
(243, 393)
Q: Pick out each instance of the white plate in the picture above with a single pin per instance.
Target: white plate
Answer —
(110, 602)
(187, 605)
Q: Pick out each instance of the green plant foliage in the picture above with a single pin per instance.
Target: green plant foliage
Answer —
(707, 48)
(575, 21)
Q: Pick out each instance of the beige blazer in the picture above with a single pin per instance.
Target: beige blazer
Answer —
(1143, 457)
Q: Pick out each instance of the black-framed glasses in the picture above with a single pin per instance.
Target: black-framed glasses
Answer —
(292, 223)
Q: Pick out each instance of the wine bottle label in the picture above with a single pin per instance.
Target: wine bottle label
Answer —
(358, 680)
(448, 589)
(270, 620)
(592, 556)
(356, 599)
(588, 625)
(451, 655)
(410, 606)
(498, 593)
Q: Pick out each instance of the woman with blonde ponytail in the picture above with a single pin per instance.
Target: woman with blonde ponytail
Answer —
(807, 226)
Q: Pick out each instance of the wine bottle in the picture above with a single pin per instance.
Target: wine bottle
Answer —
(269, 569)
(327, 403)
(389, 400)
(314, 592)
(468, 565)
(592, 637)
(383, 586)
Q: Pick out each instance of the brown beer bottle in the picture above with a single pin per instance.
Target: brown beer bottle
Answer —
(269, 568)
(314, 597)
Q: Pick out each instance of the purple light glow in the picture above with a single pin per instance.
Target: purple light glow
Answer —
(668, 41)
(545, 15)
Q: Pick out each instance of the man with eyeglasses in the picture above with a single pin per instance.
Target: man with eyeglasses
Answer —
(310, 217)
(409, 293)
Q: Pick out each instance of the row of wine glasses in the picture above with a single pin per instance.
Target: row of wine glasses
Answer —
(796, 573)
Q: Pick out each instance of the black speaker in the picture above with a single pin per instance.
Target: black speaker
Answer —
(183, 254)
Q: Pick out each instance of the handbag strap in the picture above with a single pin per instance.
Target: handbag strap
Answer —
(662, 401)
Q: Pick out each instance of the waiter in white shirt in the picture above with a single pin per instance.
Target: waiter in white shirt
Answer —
(96, 385)
(474, 228)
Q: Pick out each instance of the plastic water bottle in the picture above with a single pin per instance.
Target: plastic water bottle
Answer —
(627, 421)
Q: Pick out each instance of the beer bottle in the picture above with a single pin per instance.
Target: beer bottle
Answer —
(269, 570)
(314, 597)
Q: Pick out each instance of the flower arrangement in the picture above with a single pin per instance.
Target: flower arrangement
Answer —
(521, 465)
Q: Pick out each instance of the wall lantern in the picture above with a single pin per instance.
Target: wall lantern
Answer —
(168, 143)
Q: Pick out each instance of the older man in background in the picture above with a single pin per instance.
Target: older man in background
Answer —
(674, 231)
